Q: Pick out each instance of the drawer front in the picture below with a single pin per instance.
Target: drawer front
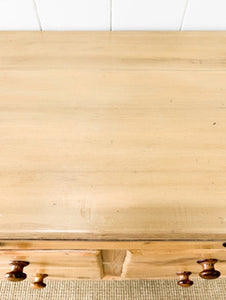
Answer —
(66, 264)
(151, 259)
(165, 259)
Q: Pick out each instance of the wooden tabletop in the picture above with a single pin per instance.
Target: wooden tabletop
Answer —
(113, 135)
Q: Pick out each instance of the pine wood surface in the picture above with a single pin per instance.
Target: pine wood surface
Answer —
(112, 135)
(114, 260)
(58, 265)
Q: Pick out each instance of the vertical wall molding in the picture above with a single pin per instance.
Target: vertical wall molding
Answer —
(111, 3)
(37, 14)
(184, 14)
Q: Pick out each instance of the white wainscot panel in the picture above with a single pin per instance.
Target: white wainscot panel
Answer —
(18, 15)
(74, 14)
(205, 15)
(147, 14)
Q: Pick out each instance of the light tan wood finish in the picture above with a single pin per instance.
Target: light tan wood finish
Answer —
(28, 245)
(74, 244)
(149, 259)
(165, 259)
(107, 51)
(113, 261)
(61, 265)
(112, 135)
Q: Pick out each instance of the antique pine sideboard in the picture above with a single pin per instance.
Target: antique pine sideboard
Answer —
(112, 155)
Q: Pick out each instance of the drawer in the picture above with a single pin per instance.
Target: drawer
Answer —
(165, 259)
(150, 259)
(64, 264)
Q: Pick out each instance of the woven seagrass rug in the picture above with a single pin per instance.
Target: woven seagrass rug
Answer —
(115, 290)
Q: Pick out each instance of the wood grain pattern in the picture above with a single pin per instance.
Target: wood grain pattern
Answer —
(112, 135)
(113, 261)
(61, 265)
(164, 260)
(150, 259)
(119, 51)
(28, 245)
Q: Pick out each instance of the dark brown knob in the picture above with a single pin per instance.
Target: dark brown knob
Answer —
(208, 269)
(38, 282)
(16, 273)
(184, 280)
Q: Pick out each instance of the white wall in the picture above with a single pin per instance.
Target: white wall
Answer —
(112, 14)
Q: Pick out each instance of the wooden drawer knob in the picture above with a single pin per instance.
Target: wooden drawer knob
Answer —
(38, 282)
(184, 280)
(17, 273)
(208, 269)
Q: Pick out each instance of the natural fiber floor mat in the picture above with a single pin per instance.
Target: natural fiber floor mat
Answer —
(115, 290)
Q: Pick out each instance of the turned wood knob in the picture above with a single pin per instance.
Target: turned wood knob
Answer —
(17, 273)
(184, 280)
(38, 282)
(208, 269)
